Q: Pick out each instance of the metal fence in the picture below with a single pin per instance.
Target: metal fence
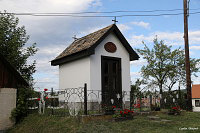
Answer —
(80, 101)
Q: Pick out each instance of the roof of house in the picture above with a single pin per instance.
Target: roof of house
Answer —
(7, 67)
(85, 46)
(196, 91)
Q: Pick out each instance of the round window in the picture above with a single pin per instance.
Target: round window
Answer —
(110, 47)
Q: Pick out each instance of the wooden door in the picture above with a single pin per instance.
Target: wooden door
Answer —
(111, 81)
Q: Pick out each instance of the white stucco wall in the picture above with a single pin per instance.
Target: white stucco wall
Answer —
(88, 70)
(7, 104)
(95, 63)
(74, 74)
(195, 109)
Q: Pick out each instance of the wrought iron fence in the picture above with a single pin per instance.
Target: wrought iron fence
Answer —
(80, 101)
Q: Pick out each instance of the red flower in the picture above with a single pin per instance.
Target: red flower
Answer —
(46, 97)
(136, 105)
(175, 108)
(38, 99)
(132, 111)
(125, 112)
(45, 89)
(121, 112)
(113, 106)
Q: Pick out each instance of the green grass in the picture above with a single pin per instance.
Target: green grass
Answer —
(35, 123)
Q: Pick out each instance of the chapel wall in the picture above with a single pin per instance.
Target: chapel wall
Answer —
(95, 62)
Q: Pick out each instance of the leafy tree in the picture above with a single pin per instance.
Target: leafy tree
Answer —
(178, 73)
(164, 67)
(12, 45)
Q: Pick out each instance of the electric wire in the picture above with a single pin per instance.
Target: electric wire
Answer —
(79, 14)
(118, 11)
(125, 15)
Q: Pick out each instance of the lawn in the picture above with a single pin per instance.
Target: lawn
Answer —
(34, 123)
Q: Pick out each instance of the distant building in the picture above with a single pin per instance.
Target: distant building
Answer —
(196, 97)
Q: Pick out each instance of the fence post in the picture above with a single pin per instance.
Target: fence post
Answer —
(140, 101)
(150, 101)
(85, 99)
(52, 113)
(131, 99)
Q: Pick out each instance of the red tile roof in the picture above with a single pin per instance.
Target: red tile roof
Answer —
(196, 91)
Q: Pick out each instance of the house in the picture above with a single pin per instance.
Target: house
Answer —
(196, 97)
(10, 80)
(100, 59)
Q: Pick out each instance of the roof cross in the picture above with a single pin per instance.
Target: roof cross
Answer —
(75, 38)
(115, 20)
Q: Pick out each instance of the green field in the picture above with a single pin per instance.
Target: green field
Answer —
(34, 123)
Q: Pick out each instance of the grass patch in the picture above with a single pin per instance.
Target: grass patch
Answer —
(35, 123)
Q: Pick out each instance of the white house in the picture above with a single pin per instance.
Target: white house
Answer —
(196, 98)
(100, 59)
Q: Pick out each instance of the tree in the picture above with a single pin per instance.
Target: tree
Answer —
(12, 45)
(178, 73)
(164, 67)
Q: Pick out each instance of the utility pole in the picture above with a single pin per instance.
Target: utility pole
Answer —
(187, 56)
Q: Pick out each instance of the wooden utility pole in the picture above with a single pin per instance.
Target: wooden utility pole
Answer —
(187, 57)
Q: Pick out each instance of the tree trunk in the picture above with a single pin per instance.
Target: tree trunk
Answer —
(161, 92)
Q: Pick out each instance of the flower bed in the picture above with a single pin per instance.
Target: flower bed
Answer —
(175, 111)
(122, 115)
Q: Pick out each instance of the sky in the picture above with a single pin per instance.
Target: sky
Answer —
(53, 34)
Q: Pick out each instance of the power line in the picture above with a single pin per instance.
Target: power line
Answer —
(70, 15)
(118, 11)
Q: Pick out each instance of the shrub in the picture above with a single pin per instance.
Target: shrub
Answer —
(22, 105)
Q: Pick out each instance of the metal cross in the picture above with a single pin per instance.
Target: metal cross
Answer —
(75, 38)
(115, 20)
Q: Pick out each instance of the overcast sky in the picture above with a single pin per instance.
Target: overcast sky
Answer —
(54, 34)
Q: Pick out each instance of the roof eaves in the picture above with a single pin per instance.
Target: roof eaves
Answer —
(72, 57)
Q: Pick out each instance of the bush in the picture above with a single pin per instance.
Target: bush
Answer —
(22, 105)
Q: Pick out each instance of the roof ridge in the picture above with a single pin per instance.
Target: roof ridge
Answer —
(90, 39)
(93, 33)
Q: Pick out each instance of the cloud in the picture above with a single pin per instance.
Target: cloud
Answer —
(48, 5)
(91, 29)
(196, 80)
(170, 38)
(139, 62)
(141, 24)
(52, 34)
(97, 3)
(135, 74)
(44, 30)
(195, 47)
(51, 50)
(123, 27)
